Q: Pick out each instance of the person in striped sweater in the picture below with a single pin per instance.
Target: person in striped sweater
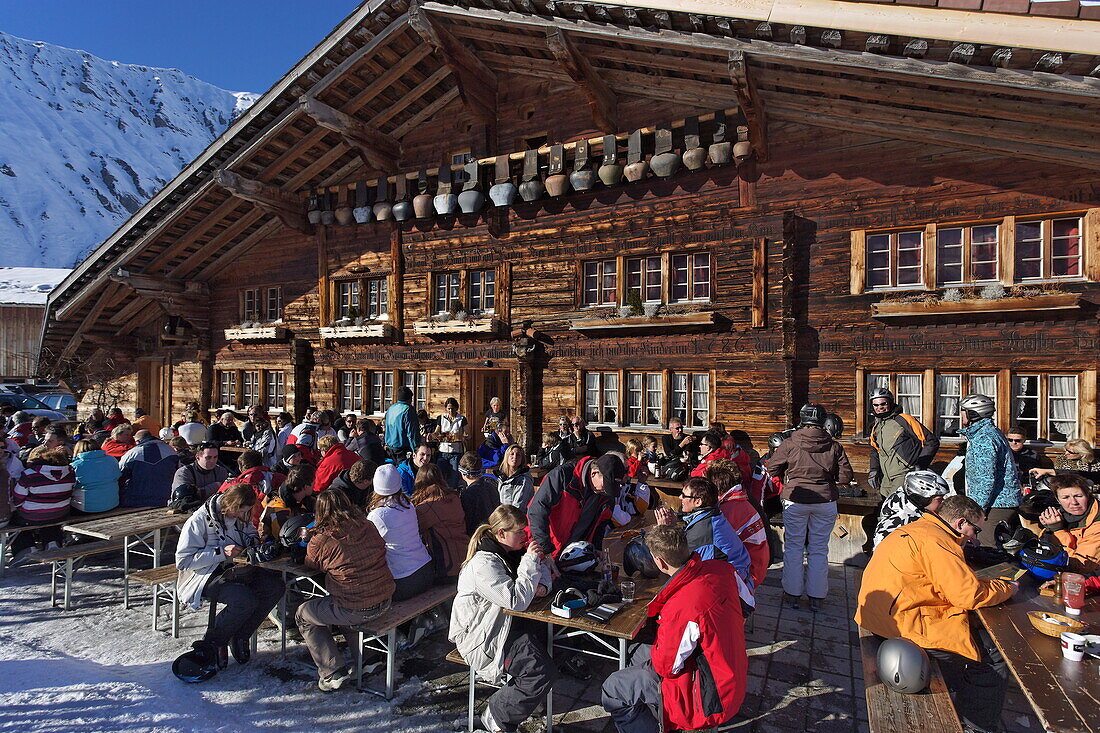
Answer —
(42, 495)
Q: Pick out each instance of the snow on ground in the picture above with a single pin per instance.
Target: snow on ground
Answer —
(29, 285)
(101, 668)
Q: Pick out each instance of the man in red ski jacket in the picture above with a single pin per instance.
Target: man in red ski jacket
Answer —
(574, 501)
(696, 674)
(337, 458)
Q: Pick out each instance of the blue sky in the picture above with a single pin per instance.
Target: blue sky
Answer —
(239, 45)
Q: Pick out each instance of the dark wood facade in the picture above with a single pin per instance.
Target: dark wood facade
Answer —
(794, 301)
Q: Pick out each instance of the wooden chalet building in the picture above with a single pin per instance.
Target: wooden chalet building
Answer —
(913, 199)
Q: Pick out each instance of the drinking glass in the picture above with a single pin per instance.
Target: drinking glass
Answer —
(627, 589)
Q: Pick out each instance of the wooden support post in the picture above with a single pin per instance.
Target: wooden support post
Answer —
(760, 283)
(750, 103)
(379, 151)
(601, 100)
(288, 208)
(397, 309)
(477, 85)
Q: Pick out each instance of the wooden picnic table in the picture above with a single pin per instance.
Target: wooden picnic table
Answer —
(1065, 695)
(142, 528)
(8, 533)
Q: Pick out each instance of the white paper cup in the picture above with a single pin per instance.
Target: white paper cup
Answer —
(1073, 646)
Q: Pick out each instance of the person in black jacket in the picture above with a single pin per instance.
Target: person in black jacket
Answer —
(224, 432)
(480, 493)
(1026, 458)
(357, 482)
(581, 442)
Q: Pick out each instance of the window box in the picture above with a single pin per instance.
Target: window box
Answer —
(446, 325)
(265, 332)
(364, 331)
(675, 320)
(1053, 302)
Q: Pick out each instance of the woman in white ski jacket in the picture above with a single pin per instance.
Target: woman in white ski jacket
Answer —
(497, 576)
(216, 533)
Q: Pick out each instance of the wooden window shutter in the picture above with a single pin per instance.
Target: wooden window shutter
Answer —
(1091, 244)
(1087, 404)
(759, 282)
(928, 257)
(861, 402)
(1006, 251)
(859, 261)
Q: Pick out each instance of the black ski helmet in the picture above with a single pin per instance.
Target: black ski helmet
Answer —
(198, 665)
(775, 439)
(812, 414)
(638, 559)
(834, 426)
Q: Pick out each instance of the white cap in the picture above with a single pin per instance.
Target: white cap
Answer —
(387, 480)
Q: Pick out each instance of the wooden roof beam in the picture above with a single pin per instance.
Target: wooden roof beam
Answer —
(147, 282)
(269, 198)
(601, 100)
(377, 149)
(748, 99)
(477, 85)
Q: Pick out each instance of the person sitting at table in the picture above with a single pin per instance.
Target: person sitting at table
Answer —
(347, 547)
(441, 521)
(393, 515)
(920, 491)
(709, 533)
(41, 495)
(1075, 522)
(710, 449)
(148, 470)
(335, 457)
(551, 454)
(635, 463)
(574, 502)
(97, 474)
(695, 674)
(357, 482)
(918, 586)
(224, 431)
(747, 522)
(121, 441)
(262, 437)
(293, 497)
(580, 442)
(498, 575)
(197, 481)
(492, 448)
(262, 479)
(408, 468)
(216, 533)
(480, 493)
(516, 486)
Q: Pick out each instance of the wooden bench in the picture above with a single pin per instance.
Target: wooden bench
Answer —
(890, 712)
(163, 582)
(61, 564)
(456, 658)
(380, 634)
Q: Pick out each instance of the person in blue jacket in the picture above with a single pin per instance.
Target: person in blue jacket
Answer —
(147, 471)
(402, 429)
(991, 476)
(710, 534)
(97, 474)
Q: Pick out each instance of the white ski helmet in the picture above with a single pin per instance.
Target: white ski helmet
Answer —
(577, 557)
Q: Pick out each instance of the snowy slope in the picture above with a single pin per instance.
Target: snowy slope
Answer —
(29, 285)
(84, 142)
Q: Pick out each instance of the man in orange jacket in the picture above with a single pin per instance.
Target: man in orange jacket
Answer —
(918, 586)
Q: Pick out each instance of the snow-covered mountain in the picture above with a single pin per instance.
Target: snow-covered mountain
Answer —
(84, 142)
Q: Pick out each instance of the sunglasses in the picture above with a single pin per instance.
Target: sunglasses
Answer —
(977, 529)
(690, 496)
(1015, 440)
(1071, 454)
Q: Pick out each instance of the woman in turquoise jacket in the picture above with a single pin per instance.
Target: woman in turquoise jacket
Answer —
(97, 475)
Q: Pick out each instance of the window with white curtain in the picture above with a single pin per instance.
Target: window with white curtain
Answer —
(418, 383)
(350, 397)
(910, 395)
(643, 393)
(601, 397)
(691, 398)
(381, 392)
(1061, 408)
(950, 389)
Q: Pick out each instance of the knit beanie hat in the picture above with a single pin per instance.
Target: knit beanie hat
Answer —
(387, 480)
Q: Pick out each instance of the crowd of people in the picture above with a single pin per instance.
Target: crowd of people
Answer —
(386, 512)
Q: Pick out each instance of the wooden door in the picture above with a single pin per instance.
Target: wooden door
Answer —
(483, 385)
(151, 389)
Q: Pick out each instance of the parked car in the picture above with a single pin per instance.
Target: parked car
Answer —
(60, 401)
(34, 406)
